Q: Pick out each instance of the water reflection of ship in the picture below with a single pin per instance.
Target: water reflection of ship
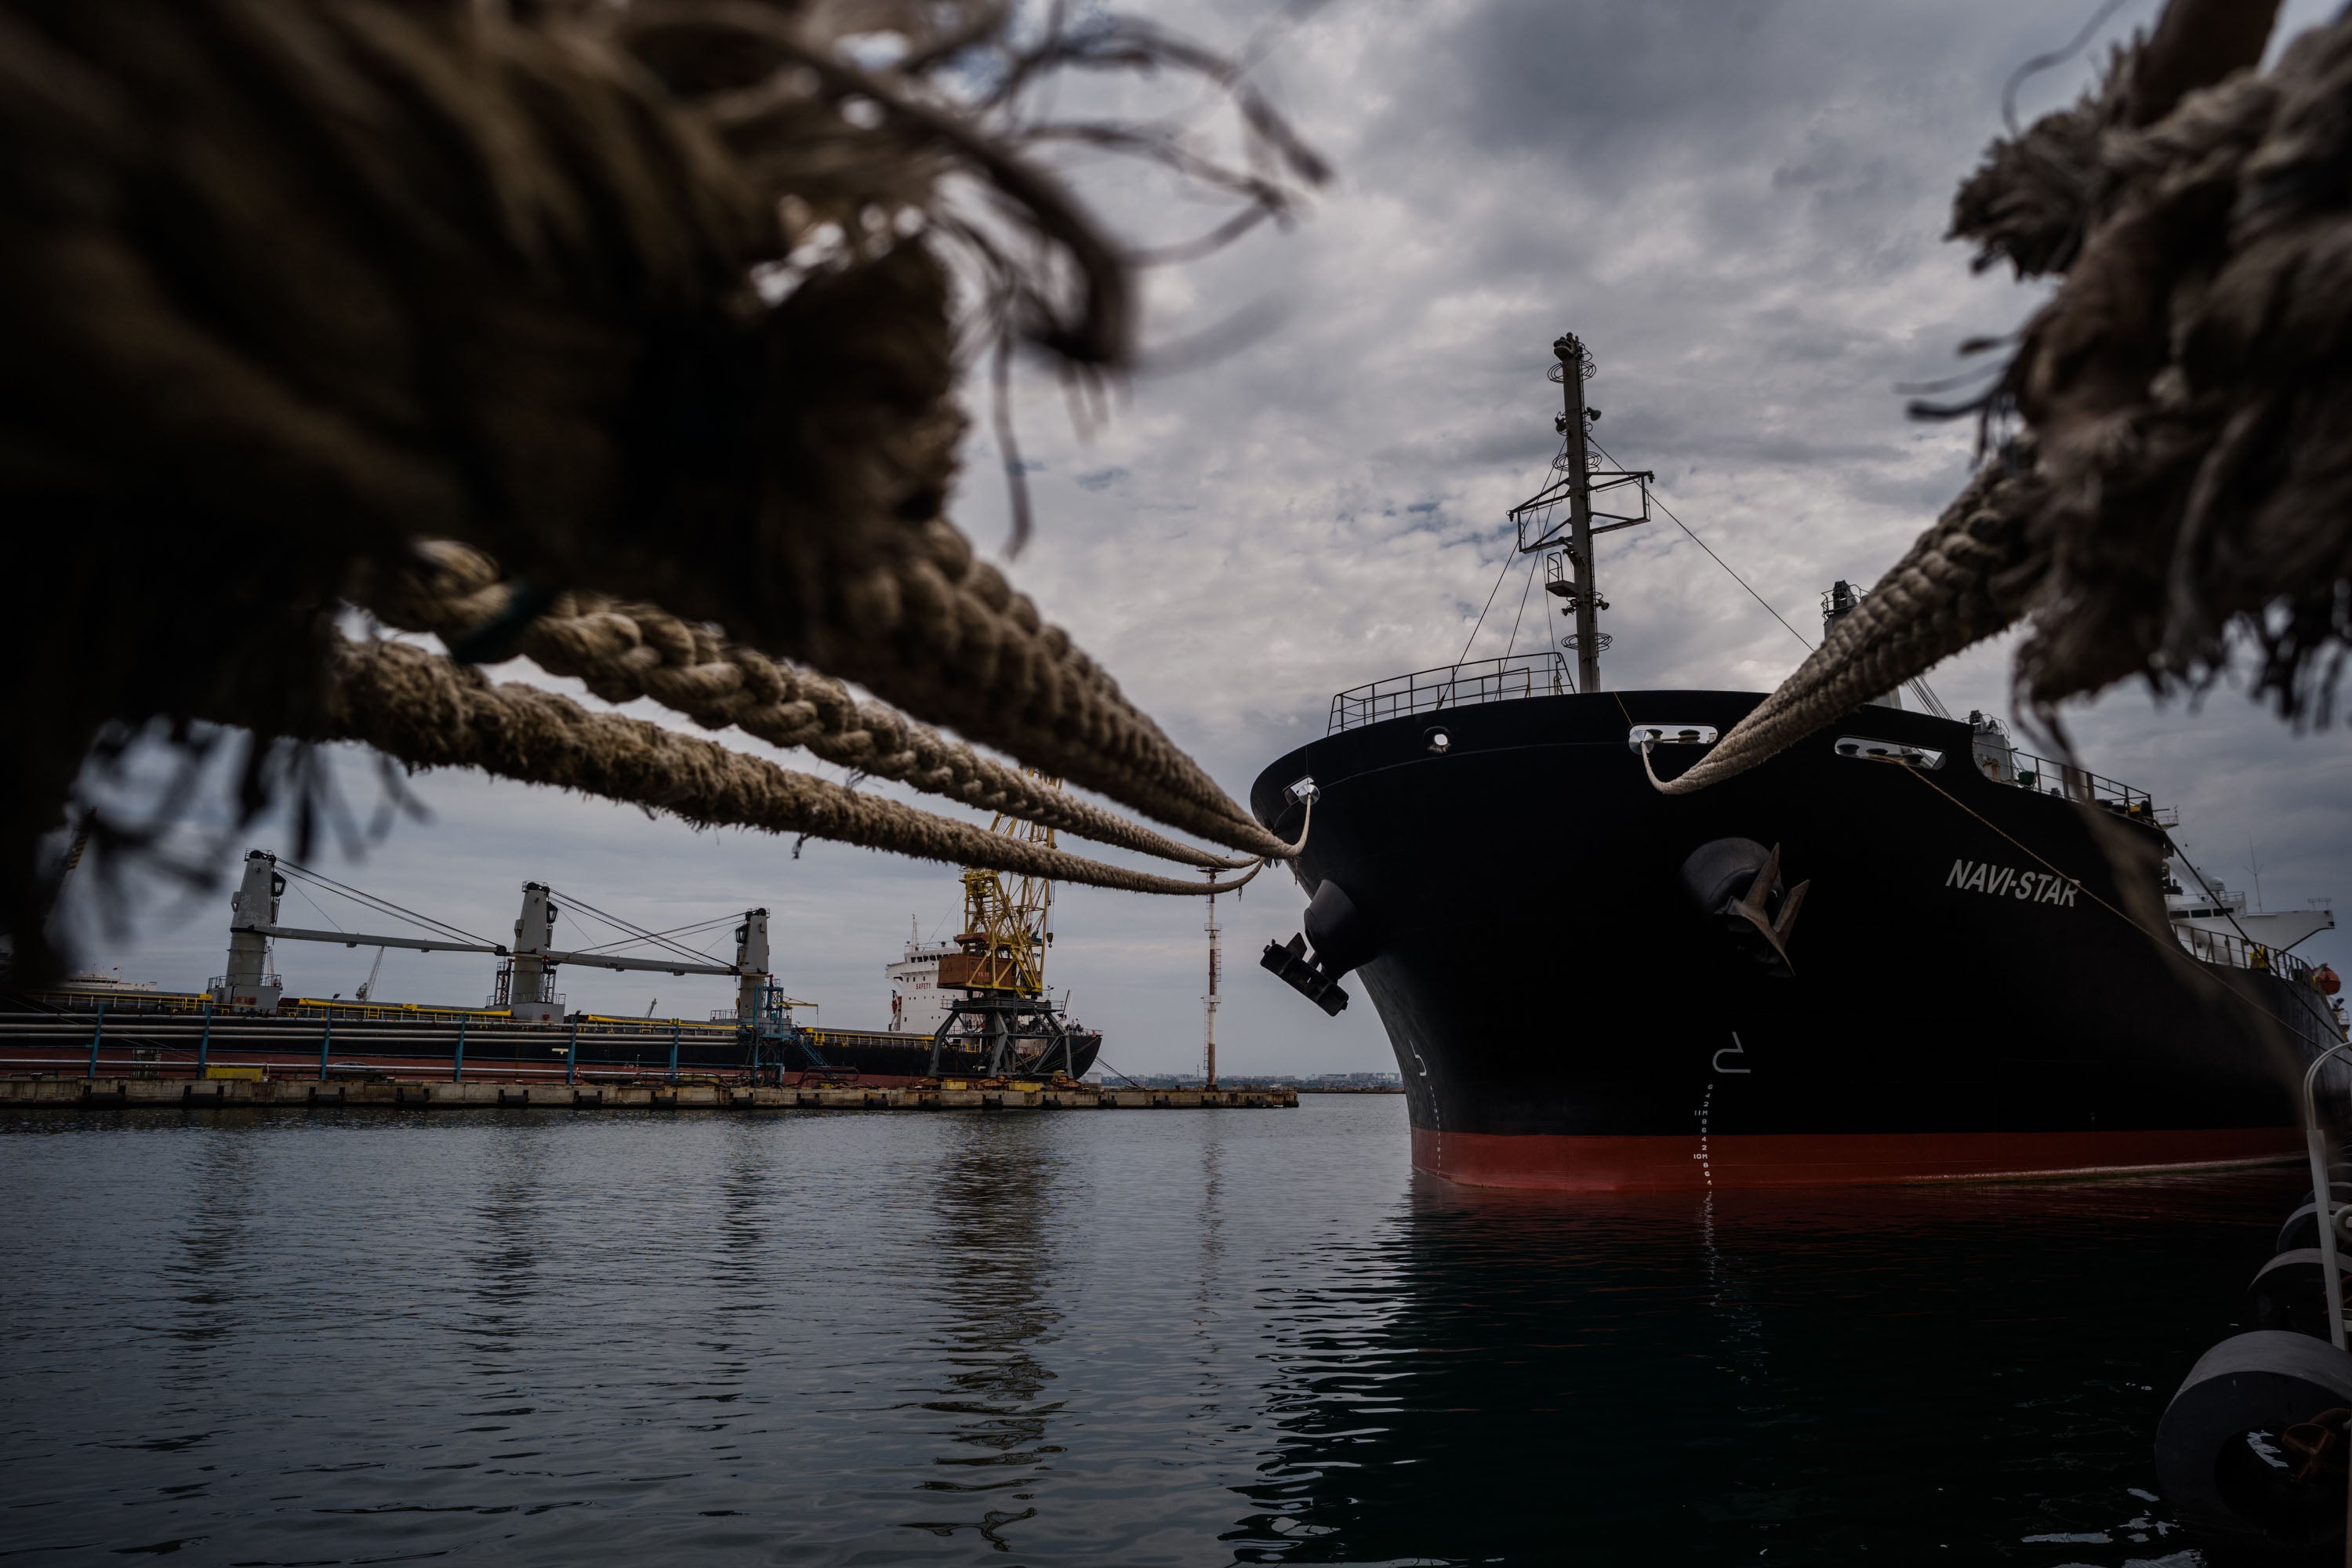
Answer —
(1834, 1375)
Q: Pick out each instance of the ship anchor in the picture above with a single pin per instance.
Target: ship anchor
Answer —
(1713, 872)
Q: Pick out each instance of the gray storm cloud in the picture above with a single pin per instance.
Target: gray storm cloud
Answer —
(1738, 206)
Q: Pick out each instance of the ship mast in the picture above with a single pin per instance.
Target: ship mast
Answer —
(1576, 426)
(1569, 573)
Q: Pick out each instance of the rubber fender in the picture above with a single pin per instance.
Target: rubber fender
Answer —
(1724, 869)
(2288, 1293)
(2244, 1504)
(2302, 1229)
(1343, 936)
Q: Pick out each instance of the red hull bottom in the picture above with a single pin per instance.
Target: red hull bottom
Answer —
(1661, 1164)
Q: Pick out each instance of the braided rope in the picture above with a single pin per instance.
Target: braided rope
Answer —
(623, 651)
(2186, 396)
(1950, 591)
(304, 281)
(430, 712)
(943, 635)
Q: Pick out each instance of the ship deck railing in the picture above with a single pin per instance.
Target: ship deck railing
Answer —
(263, 1031)
(219, 984)
(614, 1024)
(345, 1011)
(2044, 776)
(1505, 680)
(147, 1045)
(823, 1038)
(67, 1001)
(2229, 951)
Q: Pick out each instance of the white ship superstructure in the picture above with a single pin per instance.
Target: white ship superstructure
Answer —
(918, 1006)
(2216, 924)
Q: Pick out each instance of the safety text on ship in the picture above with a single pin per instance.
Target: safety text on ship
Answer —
(2007, 882)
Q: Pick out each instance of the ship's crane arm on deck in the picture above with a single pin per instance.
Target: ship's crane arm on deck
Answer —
(422, 944)
(658, 965)
(533, 958)
(361, 939)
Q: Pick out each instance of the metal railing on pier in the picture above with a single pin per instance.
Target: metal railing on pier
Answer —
(1451, 686)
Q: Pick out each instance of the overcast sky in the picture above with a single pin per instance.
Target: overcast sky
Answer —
(1738, 206)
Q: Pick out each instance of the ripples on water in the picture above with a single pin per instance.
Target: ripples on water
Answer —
(1118, 1338)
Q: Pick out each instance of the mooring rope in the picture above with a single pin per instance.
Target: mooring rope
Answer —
(623, 651)
(653, 300)
(430, 712)
(2185, 396)
(943, 637)
(1948, 593)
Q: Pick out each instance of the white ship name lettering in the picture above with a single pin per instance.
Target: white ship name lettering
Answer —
(2007, 882)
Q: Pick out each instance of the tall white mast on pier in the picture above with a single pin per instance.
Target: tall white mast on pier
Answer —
(1208, 1003)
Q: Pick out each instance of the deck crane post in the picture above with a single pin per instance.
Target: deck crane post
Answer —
(526, 981)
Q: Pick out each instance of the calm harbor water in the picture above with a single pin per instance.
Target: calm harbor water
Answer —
(1130, 1338)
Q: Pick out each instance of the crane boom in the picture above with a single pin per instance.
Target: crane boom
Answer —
(362, 939)
(367, 986)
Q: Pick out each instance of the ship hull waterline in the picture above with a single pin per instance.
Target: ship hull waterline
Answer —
(1564, 1018)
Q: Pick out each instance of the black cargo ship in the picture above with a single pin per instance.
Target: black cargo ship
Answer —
(1898, 950)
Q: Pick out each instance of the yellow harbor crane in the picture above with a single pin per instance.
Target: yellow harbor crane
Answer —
(1008, 922)
(1000, 968)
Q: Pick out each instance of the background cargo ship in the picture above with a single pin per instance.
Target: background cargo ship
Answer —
(1899, 949)
(984, 1012)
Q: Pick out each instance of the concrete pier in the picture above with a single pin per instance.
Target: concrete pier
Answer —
(62, 1093)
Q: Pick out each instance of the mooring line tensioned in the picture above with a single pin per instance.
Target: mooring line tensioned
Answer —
(1711, 555)
(674, 931)
(427, 711)
(1513, 641)
(382, 905)
(618, 923)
